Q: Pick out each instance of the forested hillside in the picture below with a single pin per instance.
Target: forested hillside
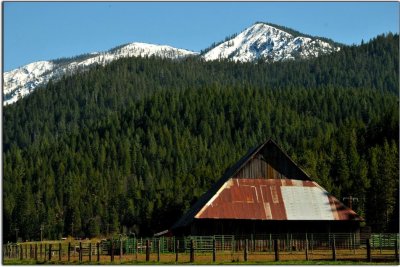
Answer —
(130, 146)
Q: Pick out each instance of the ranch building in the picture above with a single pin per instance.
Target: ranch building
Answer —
(266, 192)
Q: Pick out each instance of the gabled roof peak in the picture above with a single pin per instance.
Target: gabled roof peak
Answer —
(273, 155)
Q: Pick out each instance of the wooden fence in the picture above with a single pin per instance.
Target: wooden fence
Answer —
(208, 249)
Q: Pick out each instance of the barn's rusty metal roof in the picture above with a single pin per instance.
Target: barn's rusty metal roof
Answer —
(274, 199)
(231, 172)
(189, 215)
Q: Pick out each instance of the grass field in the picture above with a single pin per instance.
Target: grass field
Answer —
(293, 258)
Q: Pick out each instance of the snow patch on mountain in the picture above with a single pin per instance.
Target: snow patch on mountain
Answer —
(22, 81)
(258, 42)
(262, 41)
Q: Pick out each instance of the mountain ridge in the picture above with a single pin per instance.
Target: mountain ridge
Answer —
(265, 41)
(23, 80)
(271, 44)
(297, 33)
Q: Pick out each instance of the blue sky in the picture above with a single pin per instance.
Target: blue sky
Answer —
(34, 31)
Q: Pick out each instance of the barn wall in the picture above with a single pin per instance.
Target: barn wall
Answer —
(282, 164)
(258, 168)
(270, 163)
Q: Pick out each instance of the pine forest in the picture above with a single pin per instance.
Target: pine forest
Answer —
(130, 146)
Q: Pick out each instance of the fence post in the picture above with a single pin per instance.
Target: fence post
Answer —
(191, 250)
(176, 249)
(26, 251)
(380, 243)
(233, 246)
(307, 249)
(21, 251)
(36, 251)
(50, 245)
(276, 249)
(396, 249)
(369, 259)
(214, 250)
(41, 254)
(333, 248)
(98, 251)
(158, 249)
(69, 251)
(80, 252)
(59, 251)
(246, 249)
(147, 250)
(90, 252)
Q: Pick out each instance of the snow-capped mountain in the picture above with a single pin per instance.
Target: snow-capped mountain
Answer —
(263, 41)
(22, 81)
(260, 41)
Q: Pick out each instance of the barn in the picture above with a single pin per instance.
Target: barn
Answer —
(266, 192)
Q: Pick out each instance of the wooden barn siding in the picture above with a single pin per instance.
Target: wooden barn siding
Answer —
(280, 162)
(271, 165)
(257, 168)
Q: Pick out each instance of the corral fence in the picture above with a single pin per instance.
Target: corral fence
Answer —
(217, 248)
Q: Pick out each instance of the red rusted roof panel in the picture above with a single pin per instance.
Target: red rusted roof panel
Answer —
(274, 199)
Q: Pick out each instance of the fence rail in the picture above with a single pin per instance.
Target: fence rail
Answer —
(203, 249)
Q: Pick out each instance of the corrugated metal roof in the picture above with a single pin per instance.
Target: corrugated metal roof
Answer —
(274, 199)
(274, 208)
(189, 216)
